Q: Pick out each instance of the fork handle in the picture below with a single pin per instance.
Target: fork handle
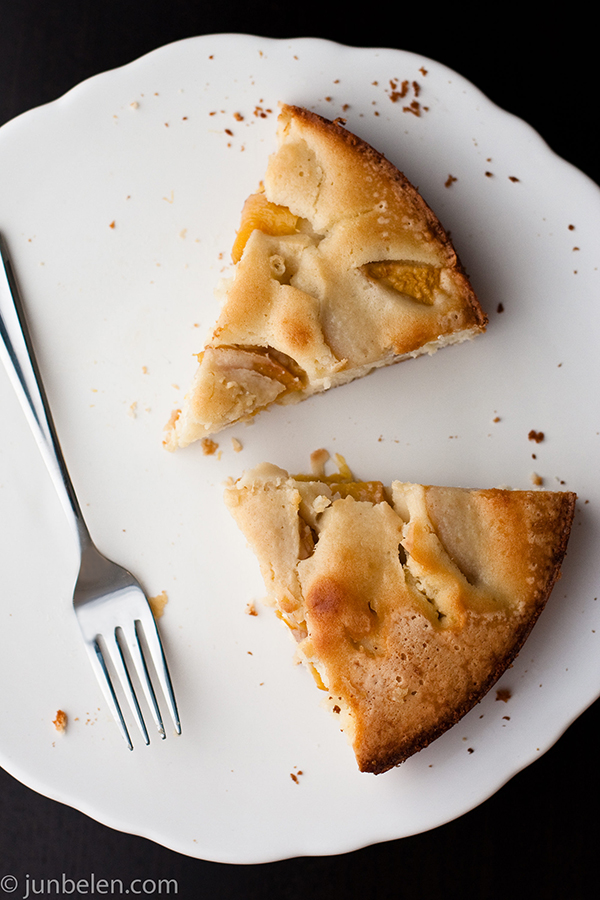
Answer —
(16, 351)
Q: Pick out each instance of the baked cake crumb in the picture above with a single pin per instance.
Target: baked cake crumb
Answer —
(60, 722)
(536, 479)
(236, 444)
(503, 694)
(318, 458)
(158, 603)
(537, 436)
(209, 447)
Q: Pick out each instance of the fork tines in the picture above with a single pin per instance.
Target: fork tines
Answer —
(119, 660)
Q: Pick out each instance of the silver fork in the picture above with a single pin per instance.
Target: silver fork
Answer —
(119, 630)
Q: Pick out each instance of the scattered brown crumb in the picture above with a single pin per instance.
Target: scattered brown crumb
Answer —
(497, 419)
(236, 444)
(209, 447)
(251, 609)
(503, 694)
(238, 117)
(414, 108)
(294, 776)
(513, 178)
(450, 181)
(60, 722)
(112, 224)
(158, 603)
(470, 750)
(396, 95)
(571, 228)
(500, 308)
(537, 436)
(536, 479)
(423, 71)
(489, 174)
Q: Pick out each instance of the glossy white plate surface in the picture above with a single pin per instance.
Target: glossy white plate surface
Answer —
(120, 202)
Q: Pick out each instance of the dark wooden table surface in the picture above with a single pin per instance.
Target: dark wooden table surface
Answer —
(537, 837)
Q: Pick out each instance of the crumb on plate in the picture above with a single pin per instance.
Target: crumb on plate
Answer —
(60, 722)
(158, 603)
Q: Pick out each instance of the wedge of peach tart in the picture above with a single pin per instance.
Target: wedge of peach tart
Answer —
(407, 602)
(340, 267)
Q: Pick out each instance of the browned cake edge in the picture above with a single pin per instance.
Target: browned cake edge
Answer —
(384, 762)
(401, 184)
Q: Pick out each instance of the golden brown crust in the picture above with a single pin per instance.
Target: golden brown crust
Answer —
(363, 161)
(406, 609)
(341, 268)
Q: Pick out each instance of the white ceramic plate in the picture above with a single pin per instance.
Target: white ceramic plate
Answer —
(120, 202)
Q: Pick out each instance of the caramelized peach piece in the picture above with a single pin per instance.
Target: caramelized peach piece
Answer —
(263, 360)
(419, 282)
(371, 491)
(259, 213)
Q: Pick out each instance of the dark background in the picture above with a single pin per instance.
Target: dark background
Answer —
(537, 837)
